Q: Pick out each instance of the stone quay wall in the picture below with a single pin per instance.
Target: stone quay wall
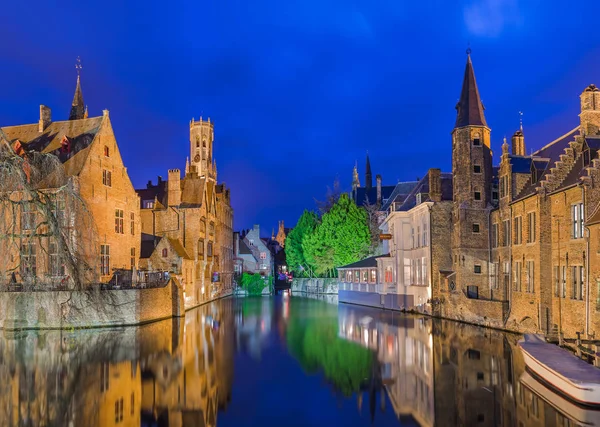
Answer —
(92, 308)
(316, 286)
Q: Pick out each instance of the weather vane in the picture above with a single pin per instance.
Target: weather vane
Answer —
(521, 120)
(468, 48)
(78, 66)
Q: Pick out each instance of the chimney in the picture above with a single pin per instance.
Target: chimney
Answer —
(257, 229)
(435, 184)
(518, 143)
(45, 118)
(378, 180)
(174, 187)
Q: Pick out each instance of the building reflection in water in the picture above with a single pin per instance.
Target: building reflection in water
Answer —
(180, 373)
(172, 373)
(444, 373)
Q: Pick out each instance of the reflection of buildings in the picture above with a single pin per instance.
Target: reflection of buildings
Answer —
(172, 373)
(405, 354)
(253, 324)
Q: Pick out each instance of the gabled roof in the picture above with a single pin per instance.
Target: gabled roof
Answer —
(79, 136)
(469, 109)
(544, 159)
(244, 249)
(401, 190)
(179, 249)
(422, 187)
(365, 263)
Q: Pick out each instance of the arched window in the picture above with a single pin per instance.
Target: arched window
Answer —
(204, 143)
(165, 253)
(197, 142)
(209, 249)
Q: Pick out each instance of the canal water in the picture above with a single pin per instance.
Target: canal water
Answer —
(279, 361)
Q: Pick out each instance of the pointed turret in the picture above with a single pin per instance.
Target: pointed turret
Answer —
(368, 176)
(78, 109)
(355, 178)
(469, 110)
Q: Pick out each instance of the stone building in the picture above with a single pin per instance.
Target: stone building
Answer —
(369, 195)
(253, 253)
(416, 251)
(522, 255)
(194, 214)
(88, 151)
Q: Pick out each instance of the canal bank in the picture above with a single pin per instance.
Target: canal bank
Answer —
(94, 308)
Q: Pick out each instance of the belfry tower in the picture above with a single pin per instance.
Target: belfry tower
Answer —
(201, 148)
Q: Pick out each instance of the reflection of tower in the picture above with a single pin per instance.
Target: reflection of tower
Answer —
(201, 148)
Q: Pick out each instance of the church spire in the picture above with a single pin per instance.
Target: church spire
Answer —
(78, 108)
(469, 110)
(368, 176)
(355, 179)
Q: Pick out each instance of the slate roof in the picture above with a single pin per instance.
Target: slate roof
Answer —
(158, 191)
(364, 263)
(244, 249)
(401, 190)
(520, 164)
(469, 109)
(148, 245)
(364, 193)
(423, 187)
(80, 135)
(545, 158)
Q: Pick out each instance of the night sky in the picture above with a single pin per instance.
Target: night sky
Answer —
(299, 90)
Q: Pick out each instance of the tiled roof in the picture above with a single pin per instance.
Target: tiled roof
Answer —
(80, 135)
(364, 263)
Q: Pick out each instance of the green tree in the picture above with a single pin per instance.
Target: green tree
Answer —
(342, 237)
(293, 243)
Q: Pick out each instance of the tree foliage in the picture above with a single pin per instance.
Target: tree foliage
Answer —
(374, 219)
(293, 243)
(253, 283)
(341, 238)
(345, 364)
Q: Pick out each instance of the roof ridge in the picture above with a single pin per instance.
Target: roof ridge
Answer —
(556, 140)
(51, 123)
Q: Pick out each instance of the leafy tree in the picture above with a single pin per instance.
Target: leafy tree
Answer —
(253, 283)
(293, 243)
(342, 238)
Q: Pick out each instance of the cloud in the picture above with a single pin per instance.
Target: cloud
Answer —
(489, 18)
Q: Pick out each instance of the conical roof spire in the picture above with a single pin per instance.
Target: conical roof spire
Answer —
(469, 110)
(78, 108)
(368, 176)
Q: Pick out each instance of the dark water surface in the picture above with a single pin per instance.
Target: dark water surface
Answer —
(275, 362)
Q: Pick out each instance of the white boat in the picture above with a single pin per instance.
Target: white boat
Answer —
(575, 413)
(560, 370)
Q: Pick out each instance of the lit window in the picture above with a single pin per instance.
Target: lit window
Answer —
(148, 204)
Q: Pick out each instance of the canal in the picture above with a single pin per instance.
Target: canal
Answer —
(280, 361)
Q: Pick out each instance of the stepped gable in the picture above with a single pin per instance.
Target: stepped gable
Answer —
(544, 162)
(68, 140)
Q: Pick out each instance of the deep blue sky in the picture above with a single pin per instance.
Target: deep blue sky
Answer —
(299, 90)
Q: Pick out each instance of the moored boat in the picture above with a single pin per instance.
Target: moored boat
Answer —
(561, 370)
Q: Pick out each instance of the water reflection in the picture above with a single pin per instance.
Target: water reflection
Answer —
(373, 368)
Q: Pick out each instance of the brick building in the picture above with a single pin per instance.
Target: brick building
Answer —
(88, 151)
(194, 214)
